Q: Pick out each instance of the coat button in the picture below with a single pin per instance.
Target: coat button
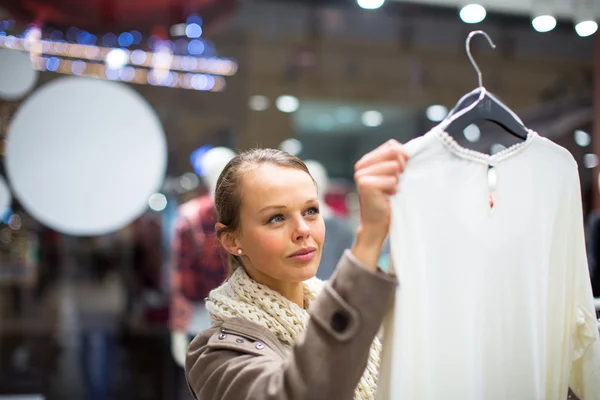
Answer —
(222, 336)
(340, 321)
(238, 340)
(260, 346)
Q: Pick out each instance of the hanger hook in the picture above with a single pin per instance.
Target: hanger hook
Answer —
(468, 46)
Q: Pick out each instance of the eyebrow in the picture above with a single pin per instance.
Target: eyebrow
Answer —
(279, 207)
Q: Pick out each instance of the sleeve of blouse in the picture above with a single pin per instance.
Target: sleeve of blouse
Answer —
(326, 361)
(585, 368)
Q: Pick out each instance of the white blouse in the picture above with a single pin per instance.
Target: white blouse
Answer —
(493, 302)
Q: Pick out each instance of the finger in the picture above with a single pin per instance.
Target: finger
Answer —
(372, 168)
(372, 157)
(399, 147)
(393, 167)
(388, 151)
(385, 183)
(403, 159)
(401, 151)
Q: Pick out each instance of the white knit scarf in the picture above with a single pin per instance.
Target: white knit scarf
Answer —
(240, 296)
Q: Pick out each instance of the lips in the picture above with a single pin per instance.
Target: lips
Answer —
(303, 252)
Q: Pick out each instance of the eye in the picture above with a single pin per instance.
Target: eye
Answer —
(276, 219)
(312, 211)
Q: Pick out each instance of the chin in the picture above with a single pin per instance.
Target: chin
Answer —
(304, 272)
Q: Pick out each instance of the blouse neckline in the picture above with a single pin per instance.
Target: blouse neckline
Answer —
(476, 156)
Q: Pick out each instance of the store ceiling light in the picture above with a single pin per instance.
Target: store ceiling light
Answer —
(177, 30)
(370, 4)
(436, 113)
(193, 30)
(591, 161)
(582, 138)
(291, 146)
(258, 103)
(472, 133)
(157, 202)
(586, 28)
(497, 148)
(372, 119)
(117, 58)
(544, 23)
(287, 104)
(472, 13)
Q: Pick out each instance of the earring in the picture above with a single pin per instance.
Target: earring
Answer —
(239, 251)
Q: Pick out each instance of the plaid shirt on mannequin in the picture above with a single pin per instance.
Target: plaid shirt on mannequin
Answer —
(199, 263)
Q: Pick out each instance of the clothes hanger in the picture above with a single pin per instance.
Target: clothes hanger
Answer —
(482, 105)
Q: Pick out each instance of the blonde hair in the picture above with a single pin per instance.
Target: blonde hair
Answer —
(228, 197)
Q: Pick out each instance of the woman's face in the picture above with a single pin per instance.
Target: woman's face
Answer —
(281, 231)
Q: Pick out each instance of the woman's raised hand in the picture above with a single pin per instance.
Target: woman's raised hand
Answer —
(377, 176)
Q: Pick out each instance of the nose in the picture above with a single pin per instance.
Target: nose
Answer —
(301, 230)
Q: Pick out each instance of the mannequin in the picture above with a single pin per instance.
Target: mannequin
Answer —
(338, 234)
(193, 233)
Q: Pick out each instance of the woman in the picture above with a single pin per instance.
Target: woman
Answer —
(263, 344)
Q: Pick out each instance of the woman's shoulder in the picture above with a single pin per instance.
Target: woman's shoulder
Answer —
(228, 358)
(239, 335)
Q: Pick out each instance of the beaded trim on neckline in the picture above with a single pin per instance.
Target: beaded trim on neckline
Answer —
(476, 156)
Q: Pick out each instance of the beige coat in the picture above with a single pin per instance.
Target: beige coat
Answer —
(240, 360)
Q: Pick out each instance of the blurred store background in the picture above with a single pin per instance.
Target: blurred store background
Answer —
(116, 117)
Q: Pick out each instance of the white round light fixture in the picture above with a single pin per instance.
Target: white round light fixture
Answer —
(189, 181)
(472, 133)
(370, 4)
(372, 118)
(582, 138)
(258, 103)
(117, 58)
(14, 222)
(214, 161)
(138, 56)
(157, 202)
(436, 113)
(177, 29)
(17, 76)
(87, 167)
(586, 28)
(291, 146)
(590, 160)
(497, 148)
(193, 30)
(472, 14)
(287, 104)
(543, 23)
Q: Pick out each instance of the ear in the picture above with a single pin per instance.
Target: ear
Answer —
(227, 240)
